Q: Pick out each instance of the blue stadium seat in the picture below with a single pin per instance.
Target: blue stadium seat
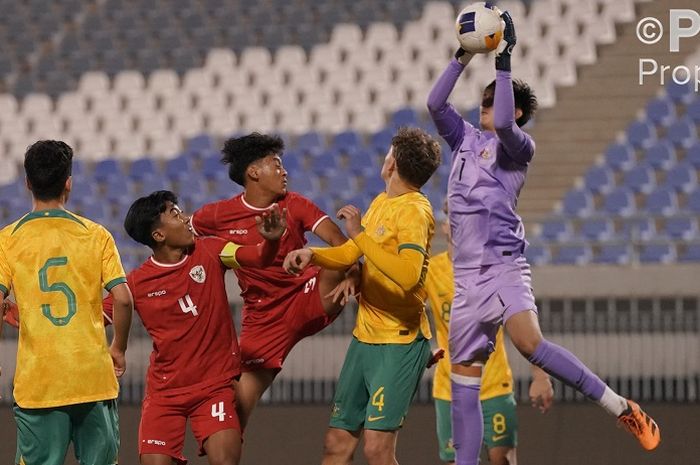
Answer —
(661, 111)
(692, 203)
(347, 141)
(107, 169)
(641, 134)
(682, 177)
(326, 204)
(381, 140)
(577, 203)
(363, 162)
(151, 183)
(82, 189)
(305, 185)
(556, 229)
(599, 179)
(657, 252)
(692, 155)
(179, 168)
(614, 253)
(662, 201)
(620, 202)
(679, 93)
(200, 144)
(693, 110)
(661, 155)
(641, 178)
(374, 185)
(691, 253)
(310, 142)
(326, 162)
(573, 254)
(597, 229)
(404, 117)
(637, 228)
(119, 190)
(340, 184)
(681, 228)
(537, 254)
(473, 116)
(78, 168)
(95, 211)
(213, 168)
(141, 168)
(682, 133)
(361, 201)
(620, 157)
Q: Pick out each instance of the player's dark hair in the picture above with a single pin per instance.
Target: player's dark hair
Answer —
(525, 99)
(144, 216)
(417, 155)
(48, 164)
(240, 152)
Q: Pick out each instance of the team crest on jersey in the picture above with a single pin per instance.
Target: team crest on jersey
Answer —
(485, 154)
(198, 274)
(380, 230)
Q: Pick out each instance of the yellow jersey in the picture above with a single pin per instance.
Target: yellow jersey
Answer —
(57, 264)
(497, 379)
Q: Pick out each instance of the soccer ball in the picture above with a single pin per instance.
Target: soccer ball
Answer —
(479, 27)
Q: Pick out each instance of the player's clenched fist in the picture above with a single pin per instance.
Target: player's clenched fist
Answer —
(272, 224)
(353, 219)
(297, 260)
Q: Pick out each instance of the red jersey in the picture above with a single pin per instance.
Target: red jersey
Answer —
(234, 220)
(185, 310)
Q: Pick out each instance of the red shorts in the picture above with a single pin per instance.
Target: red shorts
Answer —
(164, 418)
(265, 343)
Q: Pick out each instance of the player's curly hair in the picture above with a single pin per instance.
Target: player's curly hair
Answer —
(144, 216)
(525, 99)
(417, 155)
(48, 164)
(240, 152)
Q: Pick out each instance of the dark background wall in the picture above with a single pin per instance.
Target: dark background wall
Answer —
(571, 434)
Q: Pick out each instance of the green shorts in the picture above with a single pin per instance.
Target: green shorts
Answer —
(377, 384)
(43, 435)
(500, 424)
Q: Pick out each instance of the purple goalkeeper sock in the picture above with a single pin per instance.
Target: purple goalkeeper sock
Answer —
(467, 423)
(563, 365)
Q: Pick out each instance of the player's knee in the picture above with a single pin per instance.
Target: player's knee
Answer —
(377, 452)
(526, 343)
(334, 445)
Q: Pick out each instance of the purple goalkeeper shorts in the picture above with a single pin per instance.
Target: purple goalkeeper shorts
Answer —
(484, 299)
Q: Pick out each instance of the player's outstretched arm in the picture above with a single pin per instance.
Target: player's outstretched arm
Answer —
(404, 268)
(518, 145)
(122, 308)
(271, 225)
(448, 121)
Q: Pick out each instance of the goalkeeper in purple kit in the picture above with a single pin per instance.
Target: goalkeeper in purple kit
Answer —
(492, 276)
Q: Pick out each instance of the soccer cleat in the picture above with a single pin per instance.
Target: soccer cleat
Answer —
(642, 426)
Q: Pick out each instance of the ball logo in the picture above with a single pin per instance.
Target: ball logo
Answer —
(198, 274)
(494, 39)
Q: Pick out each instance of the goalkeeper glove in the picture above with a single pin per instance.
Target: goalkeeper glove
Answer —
(463, 57)
(505, 48)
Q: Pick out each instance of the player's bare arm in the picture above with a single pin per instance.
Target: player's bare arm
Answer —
(541, 390)
(123, 306)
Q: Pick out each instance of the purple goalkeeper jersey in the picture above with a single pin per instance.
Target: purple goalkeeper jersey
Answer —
(488, 170)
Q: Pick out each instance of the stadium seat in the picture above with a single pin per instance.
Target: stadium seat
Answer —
(556, 230)
(662, 201)
(679, 93)
(657, 252)
(692, 155)
(537, 253)
(179, 168)
(213, 168)
(381, 140)
(641, 178)
(682, 177)
(681, 228)
(619, 202)
(691, 253)
(107, 169)
(692, 111)
(404, 117)
(597, 229)
(310, 142)
(661, 111)
(614, 253)
(661, 155)
(572, 254)
(142, 168)
(347, 141)
(577, 203)
(641, 134)
(620, 156)
(599, 180)
(692, 203)
(682, 133)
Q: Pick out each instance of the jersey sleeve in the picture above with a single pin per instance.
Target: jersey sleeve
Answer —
(307, 212)
(108, 302)
(415, 227)
(112, 269)
(203, 221)
(5, 273)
